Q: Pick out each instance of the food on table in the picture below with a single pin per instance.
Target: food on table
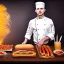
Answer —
(45, 51)
(24, 50)
(58, 52)
(2, 53)
(6, 46)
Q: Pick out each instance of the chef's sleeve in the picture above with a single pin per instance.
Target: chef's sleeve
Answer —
(29, 31)
(51, 31)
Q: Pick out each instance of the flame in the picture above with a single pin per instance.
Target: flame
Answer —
(4, 23)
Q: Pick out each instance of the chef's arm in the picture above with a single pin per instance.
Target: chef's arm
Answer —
(28, 33)
(45, 39)
(51, 32)
(42, 41)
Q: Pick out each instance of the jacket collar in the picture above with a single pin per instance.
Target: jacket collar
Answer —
(38, 17)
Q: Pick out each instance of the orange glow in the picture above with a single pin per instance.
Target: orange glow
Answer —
(4, 23)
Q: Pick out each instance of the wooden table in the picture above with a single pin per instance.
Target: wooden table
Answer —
(9, 57)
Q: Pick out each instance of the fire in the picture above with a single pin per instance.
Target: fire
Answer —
(4, 23)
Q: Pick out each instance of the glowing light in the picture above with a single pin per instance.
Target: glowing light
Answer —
(4, 23)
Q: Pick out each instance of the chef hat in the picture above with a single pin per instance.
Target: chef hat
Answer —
(40, 5)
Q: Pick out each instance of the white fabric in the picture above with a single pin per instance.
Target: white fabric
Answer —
(40, 29)
(40, 5)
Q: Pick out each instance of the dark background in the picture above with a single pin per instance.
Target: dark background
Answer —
(21, 11)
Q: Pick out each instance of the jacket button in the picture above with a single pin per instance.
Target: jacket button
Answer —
(44, 29)
(39, 39)
(44, 24)
(29, 27)
(37, 24)
(38, 29)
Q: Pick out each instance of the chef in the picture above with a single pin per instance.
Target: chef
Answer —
(41, 27)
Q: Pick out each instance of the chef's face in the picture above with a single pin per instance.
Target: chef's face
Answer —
(40, 11)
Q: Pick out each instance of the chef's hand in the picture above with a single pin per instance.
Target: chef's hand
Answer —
(25, 41)
(40, 43)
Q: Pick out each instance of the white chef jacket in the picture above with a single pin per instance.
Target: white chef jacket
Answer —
(40, 29)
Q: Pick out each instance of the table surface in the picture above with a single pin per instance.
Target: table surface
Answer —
(9, 57)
